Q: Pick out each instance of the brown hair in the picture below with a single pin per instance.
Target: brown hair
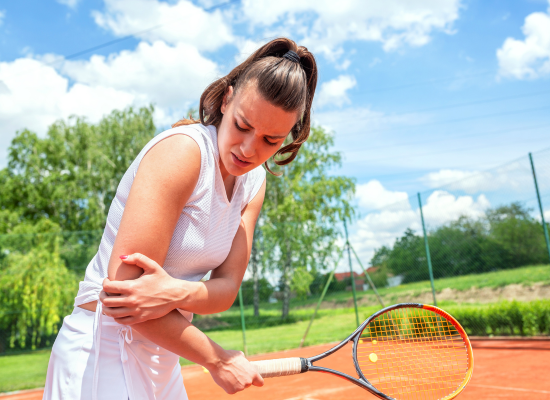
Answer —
(282, 82)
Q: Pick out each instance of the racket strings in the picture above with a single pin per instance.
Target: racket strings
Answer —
(412, 353)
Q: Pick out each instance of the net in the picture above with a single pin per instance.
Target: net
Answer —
(413, 354)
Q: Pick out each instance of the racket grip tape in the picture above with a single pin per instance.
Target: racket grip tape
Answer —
(281, 367)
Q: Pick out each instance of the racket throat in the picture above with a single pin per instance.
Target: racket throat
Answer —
(306, 365)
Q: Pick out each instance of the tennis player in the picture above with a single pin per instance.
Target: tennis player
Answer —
(189, 203)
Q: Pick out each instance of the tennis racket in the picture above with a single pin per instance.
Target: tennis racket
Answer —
(405, 351)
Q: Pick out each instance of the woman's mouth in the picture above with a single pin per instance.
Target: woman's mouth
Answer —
(239, 162)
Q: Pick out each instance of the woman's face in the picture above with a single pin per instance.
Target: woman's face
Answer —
(251, 130)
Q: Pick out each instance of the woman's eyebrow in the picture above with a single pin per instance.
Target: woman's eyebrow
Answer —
(245, 121)
(251, 127)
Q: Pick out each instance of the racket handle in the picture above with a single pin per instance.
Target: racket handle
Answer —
(280, 367)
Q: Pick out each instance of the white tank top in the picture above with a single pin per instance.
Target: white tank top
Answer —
(206, 227)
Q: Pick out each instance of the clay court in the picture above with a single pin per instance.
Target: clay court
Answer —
(504, 369)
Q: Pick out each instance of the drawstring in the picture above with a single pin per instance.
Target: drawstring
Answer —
(124, 336)
(97, 341)
(123, 332)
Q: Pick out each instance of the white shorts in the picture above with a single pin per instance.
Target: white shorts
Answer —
(129, 366)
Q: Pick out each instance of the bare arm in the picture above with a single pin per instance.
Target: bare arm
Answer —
(155, 293)
(218, 293)
(165, 180)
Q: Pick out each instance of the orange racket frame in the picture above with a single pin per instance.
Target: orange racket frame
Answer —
(272, 368)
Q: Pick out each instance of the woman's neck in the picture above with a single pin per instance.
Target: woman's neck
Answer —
(228, 180)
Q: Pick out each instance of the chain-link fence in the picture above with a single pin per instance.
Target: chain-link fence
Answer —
(475, 244)
(480, 233)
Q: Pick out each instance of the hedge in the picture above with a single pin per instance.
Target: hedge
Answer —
(505, 318)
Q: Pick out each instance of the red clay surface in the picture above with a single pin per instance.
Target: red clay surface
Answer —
(503, 369)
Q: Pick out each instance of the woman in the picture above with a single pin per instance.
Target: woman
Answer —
(189, 202)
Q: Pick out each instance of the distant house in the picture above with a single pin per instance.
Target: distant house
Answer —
(360, 279)
(395, 280)
(360, 282)
(340, 276)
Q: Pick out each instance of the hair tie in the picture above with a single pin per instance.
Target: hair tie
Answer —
(292, 56)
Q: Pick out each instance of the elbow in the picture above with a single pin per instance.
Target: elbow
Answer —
(231, 297)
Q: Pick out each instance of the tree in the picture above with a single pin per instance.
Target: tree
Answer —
(36, 289)
(265, 290)
(301, 279)
(55, 195)
(71, 176)
(255, 263)
(519, 234)
(408, 257)
(506, 237)
(380, 256)
(457, 248)
(302, 211)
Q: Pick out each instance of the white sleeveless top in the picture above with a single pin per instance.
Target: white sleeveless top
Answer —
(206, 227)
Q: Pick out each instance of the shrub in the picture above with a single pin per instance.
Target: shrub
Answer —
(505, 318)
(36, 292)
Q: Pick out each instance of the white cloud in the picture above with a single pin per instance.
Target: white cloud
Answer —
(334, 92)
(374, 62)
(384, 226)
(69, 3)
(442, 207)
(167, 69)
(513, 177)
(325, 24)
(528, 58)
(448, 176)
(182, 22)
(372, 195)
(2, 16)
(171, 77)
(34, 95)
(246, 47)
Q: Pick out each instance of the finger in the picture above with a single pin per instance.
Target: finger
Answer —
(116, 287)
(117, 312)
(141, 261)
(113, 301)
(258, 380)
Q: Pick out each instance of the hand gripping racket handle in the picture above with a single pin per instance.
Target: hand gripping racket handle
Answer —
(280, 367)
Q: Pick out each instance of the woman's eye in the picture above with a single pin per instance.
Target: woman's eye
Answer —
(239, 128)
(270, 143)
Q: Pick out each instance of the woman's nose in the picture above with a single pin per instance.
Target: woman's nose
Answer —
(248, 146)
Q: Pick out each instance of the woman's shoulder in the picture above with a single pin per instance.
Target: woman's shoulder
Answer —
(257, 174)
(200, 133)
(204, 137)
(253, 181)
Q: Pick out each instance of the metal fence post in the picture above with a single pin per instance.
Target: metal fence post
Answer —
(427, 249)
(331, 275)
(371, 283)
(242, 320)
(351, 275)
(544, 227)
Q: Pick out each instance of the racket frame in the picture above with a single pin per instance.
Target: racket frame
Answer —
(363, 382)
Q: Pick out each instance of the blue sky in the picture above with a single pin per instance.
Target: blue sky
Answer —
(419, 93)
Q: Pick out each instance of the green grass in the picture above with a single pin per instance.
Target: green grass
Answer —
(269, 333)
(301, 309)
(23, 371)
(522, 276)
(327, 328)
